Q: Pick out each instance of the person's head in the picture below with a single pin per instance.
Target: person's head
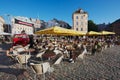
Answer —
(23, 31)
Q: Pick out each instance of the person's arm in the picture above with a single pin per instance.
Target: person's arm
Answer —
(8, 52)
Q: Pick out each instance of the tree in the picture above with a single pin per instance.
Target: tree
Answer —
(92, 26)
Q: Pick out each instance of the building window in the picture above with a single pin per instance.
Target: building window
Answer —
(81, 17)
(77, 17)
(76, 29)
(77, 23)
(81, 23)
(81, 29)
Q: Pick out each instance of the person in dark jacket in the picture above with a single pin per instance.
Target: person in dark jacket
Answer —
(31, 42)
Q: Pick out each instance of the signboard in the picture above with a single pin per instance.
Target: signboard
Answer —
(23, 23)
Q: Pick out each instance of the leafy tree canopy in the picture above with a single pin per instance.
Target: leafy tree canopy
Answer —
(92, 26)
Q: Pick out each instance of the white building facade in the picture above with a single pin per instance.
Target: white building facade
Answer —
(22, 23)
(2, 21)
(37, 24)
(80, 21)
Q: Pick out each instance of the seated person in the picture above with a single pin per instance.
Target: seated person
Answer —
(16, 50)
(9, 52)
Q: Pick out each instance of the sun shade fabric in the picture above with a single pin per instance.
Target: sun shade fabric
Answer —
(59, 31)
(106, 32)
(93, 33)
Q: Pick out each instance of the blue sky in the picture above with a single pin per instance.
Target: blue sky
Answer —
(99, 10)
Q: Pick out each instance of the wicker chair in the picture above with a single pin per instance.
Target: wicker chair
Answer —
(23, 59)
(40, 68)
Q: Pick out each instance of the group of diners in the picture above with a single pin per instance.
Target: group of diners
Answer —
(70, 48)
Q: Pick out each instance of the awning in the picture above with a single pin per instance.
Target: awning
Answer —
(93, 33)
(59, 31)
(106, 32)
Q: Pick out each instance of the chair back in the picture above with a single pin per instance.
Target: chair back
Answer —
(40, 68)
(58, 59)
(37, 68)
(40, 54)
(22, 59)
(27, 47)
(15, 52)
(82, 54)
(45, 66)
(20, 49)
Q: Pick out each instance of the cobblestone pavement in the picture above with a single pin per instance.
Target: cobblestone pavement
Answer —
(101, 66)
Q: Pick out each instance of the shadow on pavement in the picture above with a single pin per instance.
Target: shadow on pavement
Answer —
(5, 46)
(13, 71)
(4, 60)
